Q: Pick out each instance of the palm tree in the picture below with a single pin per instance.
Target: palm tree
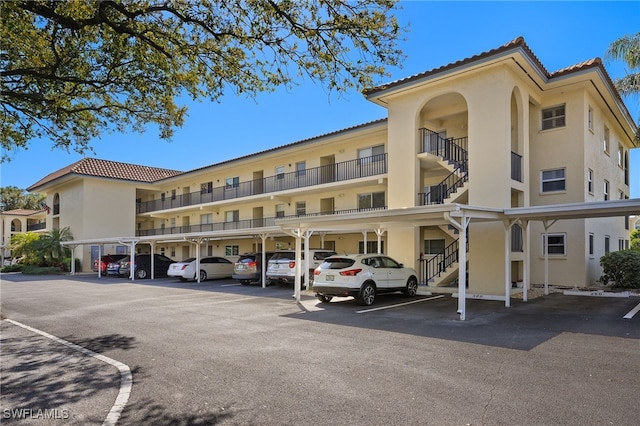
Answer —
(627, 49)
(50, 245)
(23, 244)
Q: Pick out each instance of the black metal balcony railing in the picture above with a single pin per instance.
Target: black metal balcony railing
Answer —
(352, 169)
(453, 150)
(36, 226)
(440, 192)
(516, 166)
(241, 224)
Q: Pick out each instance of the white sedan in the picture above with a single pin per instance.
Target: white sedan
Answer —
(362, 276)
(210, 268)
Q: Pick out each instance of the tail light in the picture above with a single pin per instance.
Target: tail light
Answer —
(350, 272)
(183, 267)
(316, 272)
(292, 264)
(252, 264)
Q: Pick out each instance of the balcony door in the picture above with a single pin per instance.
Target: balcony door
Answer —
(327, 169)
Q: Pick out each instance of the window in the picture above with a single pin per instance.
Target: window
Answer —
(173, 194)
(591, 239)
(231, 250)
(590, 118)
(553, 117)
(606, 244)
(372, 200)
(279, 210)
(606, 140)
(620, 151)
(371, 154)
(516, 238)
(606, 190)
(280, 172)
(162, 197)
(232, 182)
(434, 246)
(206, 218)
(206, 188)
(232, 216)
(301, 168)
(301, 208)
(590, 181)
(372, 247)
(553, 180)
(620, 243)
(556, 245)
(621, 195)
(172, 222)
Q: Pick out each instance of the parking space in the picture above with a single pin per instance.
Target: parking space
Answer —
(218, 352)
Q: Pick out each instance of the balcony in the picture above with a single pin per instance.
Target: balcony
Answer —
(36, 226)
(241, 224)
(338, 172)
(516, 167)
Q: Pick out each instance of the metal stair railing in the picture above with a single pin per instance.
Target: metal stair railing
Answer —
(439, 263)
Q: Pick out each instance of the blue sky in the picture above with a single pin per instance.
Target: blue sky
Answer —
(559, 33)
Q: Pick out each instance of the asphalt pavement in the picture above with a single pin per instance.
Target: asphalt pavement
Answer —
(221, 353)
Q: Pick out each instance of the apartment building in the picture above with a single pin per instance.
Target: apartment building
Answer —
(17, 221)
(484, 171)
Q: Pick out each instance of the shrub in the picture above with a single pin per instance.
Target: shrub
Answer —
(12, 268)
(621, 269)
(41, 270)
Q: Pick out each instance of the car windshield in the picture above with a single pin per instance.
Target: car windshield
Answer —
(285, 256)
(337, 263)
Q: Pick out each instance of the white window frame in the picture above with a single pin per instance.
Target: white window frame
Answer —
(232, 182)
(606, 140)
(231, 250)
(280, 208)
(557, 117)
(206, 219)
(371, 196)
(591, 243)
(301, 208)
(563, 235)
(232, 216)
(555, 179)
(620, 156)
(370, 154)
(301, 168)
(280, 172)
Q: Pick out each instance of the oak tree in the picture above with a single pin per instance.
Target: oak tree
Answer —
(72, 70)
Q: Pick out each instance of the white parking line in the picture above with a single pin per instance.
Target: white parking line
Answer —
(230, 285)
(398, 304)
(632, 312)
(126, 379)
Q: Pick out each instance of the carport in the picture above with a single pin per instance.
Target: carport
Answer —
(460, 216)
(380, 221)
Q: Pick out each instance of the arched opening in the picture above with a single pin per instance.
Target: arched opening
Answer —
(56, 204)
(16, 225)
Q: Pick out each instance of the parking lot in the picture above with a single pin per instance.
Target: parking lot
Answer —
(222, 353)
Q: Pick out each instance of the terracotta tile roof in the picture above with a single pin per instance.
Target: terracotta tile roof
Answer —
(515, 43)
(108, 169)
(21, 212)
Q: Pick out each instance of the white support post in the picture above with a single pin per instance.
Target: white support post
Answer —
(307, 235)
(507, 264)
(153, 260)
(462, 260)
(379, 233)
(364, 233)
(525, 264)
(73, 258)
(132, 261)
(263, 263)
(100, 246)
(545, 246)
(298, 277)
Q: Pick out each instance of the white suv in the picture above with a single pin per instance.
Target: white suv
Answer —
(362, 276)
(282, 265)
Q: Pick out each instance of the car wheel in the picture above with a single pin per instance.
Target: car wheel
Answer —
(245, 282)
(412, 287)
(367, 294)
(141, 273)
(203, 275)
(323, 298)
(182, 279)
